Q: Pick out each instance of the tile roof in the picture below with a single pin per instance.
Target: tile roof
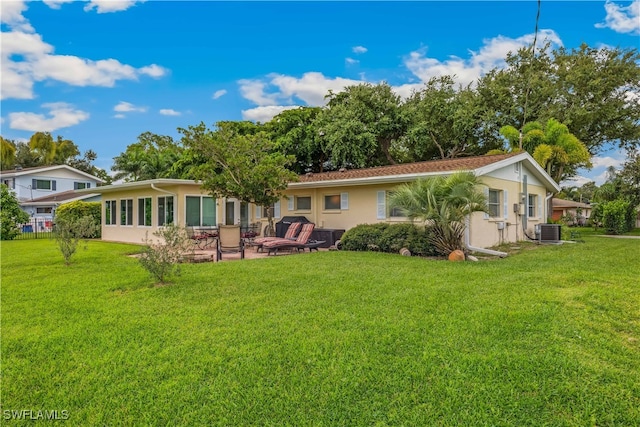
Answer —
(433, 167)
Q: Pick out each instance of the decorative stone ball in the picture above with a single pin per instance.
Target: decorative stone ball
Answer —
(405, 252)
(456, 255)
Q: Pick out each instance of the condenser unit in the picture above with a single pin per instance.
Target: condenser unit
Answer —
(548, 232)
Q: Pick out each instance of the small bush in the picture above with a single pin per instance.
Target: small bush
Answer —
(161, 257)
(388, 238)
(73, 211)
(69, 232)
(617, 216)
(11, 216)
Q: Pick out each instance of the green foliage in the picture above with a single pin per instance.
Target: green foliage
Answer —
(73, 211)
(70, 231)
(238, 165)
(442, 203)
(618, 216)
(152, 156)
(388, 238)
(7, 153)
(161, 257)
(11, 216)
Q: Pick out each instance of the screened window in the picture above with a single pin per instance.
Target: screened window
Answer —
(494, 203)
(303, 203)
(533, 203)
(201, 211)
(165, 210)
(110, 212)
(144, 211)
(43, 184)
(81, 185)
(332, 202)
(44, 210)
(126, 212)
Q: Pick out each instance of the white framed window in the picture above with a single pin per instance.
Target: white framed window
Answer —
(382, 213)
(126, 212)
(532, 204)
(44, 210)
(110, 212)
(303, 203)
(494, 203)
(201, 211)
(43, 184)
(81, 185)
(336, 202)
(165, 210)
(144, 211)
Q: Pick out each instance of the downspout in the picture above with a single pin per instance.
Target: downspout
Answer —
(153, 186)
(477, 249)
(546, 204)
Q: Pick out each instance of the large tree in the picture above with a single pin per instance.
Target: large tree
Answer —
(295, 132)
(245, 167)
(152, 156)
(594, 91)
(361, 124)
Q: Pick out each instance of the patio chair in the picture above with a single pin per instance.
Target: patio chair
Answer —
(291, 234)
(229, 241)
(299, 243)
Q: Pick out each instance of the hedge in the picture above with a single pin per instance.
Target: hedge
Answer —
(73, 211)
(388, 238)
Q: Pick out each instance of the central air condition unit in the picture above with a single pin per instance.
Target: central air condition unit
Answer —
(549, 232)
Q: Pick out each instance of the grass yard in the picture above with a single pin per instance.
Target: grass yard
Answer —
(549, 336)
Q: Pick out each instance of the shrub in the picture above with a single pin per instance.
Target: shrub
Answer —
(69, 232)
(388, 238)
(161, 257)
(617, 216)
(73, 211)
(10, 214)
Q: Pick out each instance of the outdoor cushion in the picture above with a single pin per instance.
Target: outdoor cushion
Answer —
(291, 234)
(298, 243)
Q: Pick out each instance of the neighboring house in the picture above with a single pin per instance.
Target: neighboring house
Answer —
(40, 190)
(574, 213)
(517, 189)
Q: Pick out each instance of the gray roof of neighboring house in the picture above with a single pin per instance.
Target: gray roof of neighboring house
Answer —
(562, 203)
(62, 197)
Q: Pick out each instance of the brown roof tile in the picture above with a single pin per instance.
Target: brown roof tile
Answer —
(433, 166)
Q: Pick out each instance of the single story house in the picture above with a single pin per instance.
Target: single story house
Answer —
(574, 213)
(517, 188)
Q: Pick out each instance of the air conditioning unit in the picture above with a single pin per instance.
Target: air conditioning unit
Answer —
(549, 232)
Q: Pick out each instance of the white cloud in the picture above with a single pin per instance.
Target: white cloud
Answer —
(61, 115)
(170, 112)
(26, 58)
(119, 116)
(622, 19)
(359, 49)
(56, 4)
(490, 56)
(127, 107)
(351, 61)
(217, 94)
(11, 15)
(265, 113)
(605, 162)
(107, 6)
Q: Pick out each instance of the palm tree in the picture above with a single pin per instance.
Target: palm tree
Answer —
(442, 203)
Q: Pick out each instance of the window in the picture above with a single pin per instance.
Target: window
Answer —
(11, 183)
(81, 185)
(332, 202)
(110, 212)
(303, 203)
(44, 210)
(126, 212)
(201, 211)
(144, 211)
(43, 184)
(165, 210)
(533, 199)
(262, 213)
(494, 203)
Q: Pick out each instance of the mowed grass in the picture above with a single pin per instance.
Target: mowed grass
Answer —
(549, 336)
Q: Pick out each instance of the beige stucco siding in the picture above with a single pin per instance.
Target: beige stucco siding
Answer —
(137, 233)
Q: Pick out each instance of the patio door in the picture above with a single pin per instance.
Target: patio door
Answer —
(236, 212)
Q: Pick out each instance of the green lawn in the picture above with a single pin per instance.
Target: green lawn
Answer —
(548, 336)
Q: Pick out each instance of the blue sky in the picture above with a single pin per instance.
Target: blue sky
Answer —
(102, 72)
